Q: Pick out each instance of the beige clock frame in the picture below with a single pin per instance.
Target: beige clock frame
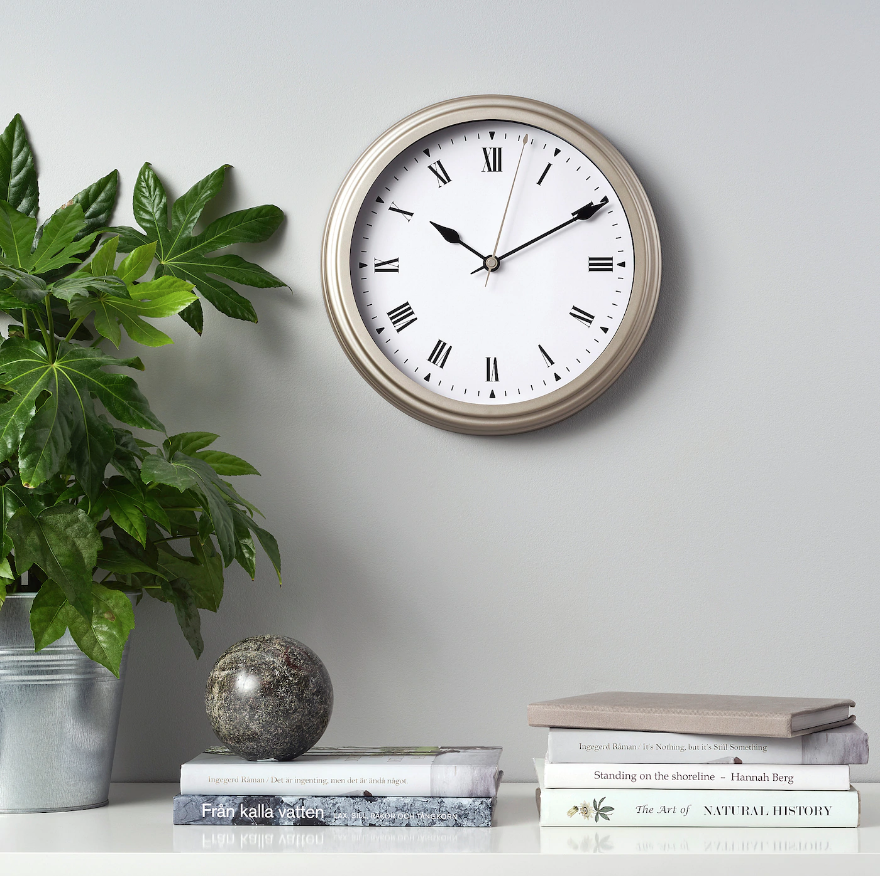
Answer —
(406, 394)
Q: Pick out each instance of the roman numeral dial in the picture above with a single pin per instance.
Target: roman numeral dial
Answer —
(402, 316)
(440, 172)
(491, 159)
(440, 354)
(386, 266)
(420, 252)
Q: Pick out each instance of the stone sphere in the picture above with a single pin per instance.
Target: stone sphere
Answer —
(269, 697)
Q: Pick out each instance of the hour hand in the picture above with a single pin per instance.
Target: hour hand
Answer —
(450, 235)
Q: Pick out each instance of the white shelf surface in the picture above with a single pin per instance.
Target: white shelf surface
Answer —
(134, 835)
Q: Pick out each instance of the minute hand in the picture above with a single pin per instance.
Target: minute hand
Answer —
(584, 212)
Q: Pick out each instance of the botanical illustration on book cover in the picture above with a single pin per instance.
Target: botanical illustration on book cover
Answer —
(597, 810)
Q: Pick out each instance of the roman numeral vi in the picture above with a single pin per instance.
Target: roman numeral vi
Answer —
(491, 369)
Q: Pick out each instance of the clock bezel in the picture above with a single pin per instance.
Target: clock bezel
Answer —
(405, 393)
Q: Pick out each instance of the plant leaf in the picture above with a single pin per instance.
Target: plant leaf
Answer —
(192, 315)
(127, 456)
(129, 238)
(266, 539)
(157, 298)
(92, 443)
(104, 260)
(119, 393)
(182, 255)
(49, 614)
(225, 463)
(68, 414)
(137, 263)
(210, 486)
(25, 290)
(178, 508)
(73, 287)
(180, 595)
(157, 470)
(63, 542)
(238, 270)
(97, 202)
(58, 233)
(18, 173)
(115, 558)
(188, 442)
(24, 368)
(223, 297)
(124, 511)
(16, 236)
(243, 226)
(9, 504)
(46, 438)
(150, 205)
(188, 208)
(204, 573)
(102, 637)
(245, 551)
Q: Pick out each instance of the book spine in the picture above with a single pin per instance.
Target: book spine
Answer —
(636, 746)
(708, 776)
(232, 809)
(336, 780)
(643, 807)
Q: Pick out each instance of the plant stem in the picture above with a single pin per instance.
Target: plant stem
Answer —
(24, 325)
(72, 332)
(43, 332)
(50, 321)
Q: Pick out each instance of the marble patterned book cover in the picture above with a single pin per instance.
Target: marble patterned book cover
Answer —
(214, 809)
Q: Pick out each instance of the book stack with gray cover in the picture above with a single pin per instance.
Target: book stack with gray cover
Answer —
(365, 787)
(632, 759)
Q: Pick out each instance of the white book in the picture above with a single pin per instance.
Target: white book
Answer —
(654, 807)
(347, 772)
(841, 745)
(787, 777)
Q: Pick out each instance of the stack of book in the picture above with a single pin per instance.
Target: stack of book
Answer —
(634, 759)
(375, 787)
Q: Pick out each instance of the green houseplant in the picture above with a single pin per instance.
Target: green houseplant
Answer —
(90, 509)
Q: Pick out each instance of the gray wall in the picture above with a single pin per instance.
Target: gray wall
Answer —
(707, 525)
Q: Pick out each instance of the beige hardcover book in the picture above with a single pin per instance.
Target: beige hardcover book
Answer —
(693, 713)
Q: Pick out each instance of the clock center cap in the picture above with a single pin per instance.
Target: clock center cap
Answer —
(491, 263)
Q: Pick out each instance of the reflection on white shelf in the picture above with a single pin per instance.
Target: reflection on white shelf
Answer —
(700, 841)
(361, 840)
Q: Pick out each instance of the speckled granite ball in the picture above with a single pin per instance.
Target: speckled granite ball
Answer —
(269, 696)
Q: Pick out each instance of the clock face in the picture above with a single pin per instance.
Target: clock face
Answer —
(492, 262)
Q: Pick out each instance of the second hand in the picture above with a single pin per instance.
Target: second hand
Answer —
(494, 257)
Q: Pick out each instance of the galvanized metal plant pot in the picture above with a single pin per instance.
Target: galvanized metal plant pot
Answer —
(59, 712)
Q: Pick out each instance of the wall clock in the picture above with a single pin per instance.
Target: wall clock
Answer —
(491, 265)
